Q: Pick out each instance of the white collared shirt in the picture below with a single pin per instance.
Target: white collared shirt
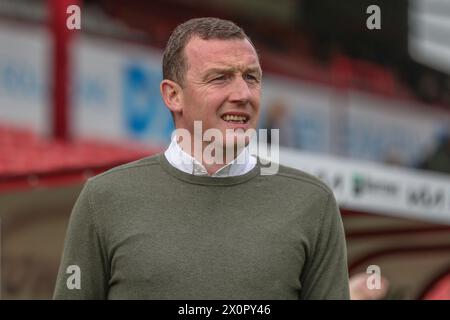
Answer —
(183, 161)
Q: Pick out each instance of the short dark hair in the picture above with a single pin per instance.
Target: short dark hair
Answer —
(174, 61)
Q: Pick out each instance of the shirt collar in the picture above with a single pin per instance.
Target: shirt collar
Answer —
(183, 161)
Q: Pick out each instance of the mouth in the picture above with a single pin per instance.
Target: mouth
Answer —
(235, 118)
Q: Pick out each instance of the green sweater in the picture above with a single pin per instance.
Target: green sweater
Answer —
(146, 230)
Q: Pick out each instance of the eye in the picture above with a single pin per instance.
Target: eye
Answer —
(218, 78)
(251, 77)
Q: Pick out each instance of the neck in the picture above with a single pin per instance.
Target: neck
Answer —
(215, 163)
(213, 168)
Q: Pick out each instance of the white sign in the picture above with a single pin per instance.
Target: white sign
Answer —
(376, 188)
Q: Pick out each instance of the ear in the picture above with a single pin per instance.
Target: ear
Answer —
(171, 93)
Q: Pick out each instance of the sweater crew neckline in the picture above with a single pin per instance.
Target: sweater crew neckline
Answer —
(207, 180)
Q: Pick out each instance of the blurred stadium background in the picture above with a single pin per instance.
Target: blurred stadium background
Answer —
(368, 111)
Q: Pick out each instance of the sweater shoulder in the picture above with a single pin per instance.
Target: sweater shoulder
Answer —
(124, 170)
(303, 178)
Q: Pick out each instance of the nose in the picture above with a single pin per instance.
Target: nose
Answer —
(239, 91)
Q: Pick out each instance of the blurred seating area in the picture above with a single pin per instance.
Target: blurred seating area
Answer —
(289, 50)
(285, 49)
(27, 159)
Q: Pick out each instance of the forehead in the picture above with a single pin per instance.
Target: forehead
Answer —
(202, 54)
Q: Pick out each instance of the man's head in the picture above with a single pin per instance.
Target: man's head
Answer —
(211, 74)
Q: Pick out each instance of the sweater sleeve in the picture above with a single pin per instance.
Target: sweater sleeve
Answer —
(83, 269)
(326, 274)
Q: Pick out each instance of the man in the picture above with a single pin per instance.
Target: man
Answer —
(439, 159)
(178, 226)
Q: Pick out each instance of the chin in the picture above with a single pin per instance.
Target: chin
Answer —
(237, 141)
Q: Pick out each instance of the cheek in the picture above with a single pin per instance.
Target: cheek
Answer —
(256, 100)
(203, 100)
(256, 95)
(192, 106)
(212, 103)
